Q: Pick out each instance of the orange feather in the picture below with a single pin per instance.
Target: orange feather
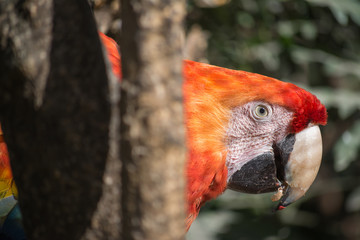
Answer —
(5, 171)
(112, 50)
(7, 186)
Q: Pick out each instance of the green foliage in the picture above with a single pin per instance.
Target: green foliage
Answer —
(315, 44)
(347, 148)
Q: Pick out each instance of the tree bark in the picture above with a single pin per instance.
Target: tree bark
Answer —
(152, 132)
(56, 110)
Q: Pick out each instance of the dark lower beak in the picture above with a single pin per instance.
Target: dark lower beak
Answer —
(256, 176)
(289, 170)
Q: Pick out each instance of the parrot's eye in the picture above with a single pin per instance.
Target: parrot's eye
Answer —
(261, 112)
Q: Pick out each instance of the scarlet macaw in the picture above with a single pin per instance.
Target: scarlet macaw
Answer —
(245, 131)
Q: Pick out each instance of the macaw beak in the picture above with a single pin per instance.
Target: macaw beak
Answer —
(290, 169)
(302, 166)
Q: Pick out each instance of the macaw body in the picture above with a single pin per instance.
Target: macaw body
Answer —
(245, 131)
(8, 188)
(10, 216)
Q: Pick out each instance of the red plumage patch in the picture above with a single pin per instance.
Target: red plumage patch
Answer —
(5, 170)
(307, 109)
(112, 53)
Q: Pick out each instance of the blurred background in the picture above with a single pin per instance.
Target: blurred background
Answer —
(314, 44)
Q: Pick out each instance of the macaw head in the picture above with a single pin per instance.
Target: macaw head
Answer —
(249, 133)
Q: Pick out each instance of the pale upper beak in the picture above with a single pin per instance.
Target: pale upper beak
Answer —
(302, 166)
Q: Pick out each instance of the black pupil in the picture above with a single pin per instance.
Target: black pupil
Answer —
(262, 110)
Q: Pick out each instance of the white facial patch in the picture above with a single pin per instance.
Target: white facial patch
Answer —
(251, 133)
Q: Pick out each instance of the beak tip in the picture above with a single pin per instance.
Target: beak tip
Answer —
(280, 207)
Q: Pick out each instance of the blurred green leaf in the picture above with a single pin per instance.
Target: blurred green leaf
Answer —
(286, 28)
(353, 202)
(344, 100)
(334, 65)
(347, 148)
(268, 54)
(245, 20)
(209, 224)
(341, 9)
(308, 30)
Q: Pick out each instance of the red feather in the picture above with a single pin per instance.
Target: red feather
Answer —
(113, 54)
(5, 170)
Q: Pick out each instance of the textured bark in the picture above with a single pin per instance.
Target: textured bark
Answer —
(106, 221)
(152, 132)
(55, 113)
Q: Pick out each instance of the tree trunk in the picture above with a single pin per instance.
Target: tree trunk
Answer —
(61, 120)
(152, 132)
(56, 114)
